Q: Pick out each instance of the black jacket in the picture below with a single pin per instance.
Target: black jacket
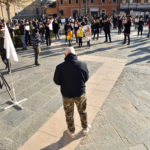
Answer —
(71, 75)
(107, 26)
(55, 27)
(127, 27)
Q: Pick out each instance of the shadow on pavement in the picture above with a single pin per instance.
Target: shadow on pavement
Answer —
(62, 142)
(139, 60)
(23, 68)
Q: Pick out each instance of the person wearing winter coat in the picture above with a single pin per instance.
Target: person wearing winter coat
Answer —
(35, 42)
(140, 26)
(88, 35)
(47, 35)
(66, 27)
(148, 23)
(72, 75)
(80, 35)
(56, 29)
(127, 29)
(106, 28)
(96, 29)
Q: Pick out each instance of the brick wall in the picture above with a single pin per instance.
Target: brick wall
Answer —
(93, 8)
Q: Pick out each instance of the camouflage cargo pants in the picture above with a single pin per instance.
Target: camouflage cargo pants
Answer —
(69, 111)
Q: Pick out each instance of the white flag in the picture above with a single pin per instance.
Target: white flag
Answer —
(9, 46)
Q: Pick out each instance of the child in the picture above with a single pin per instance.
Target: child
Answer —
(88, 35)
(69, 36)
(80, 35)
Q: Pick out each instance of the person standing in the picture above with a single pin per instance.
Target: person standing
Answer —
(69, 36)
(106, 28)
(148, 23)
(42, 31)
(67, 26)
(27, 33)
(76, 27)
(96, 29)
(127, 28)
(80, 35)
(3, 51)
(88, 35)
(56, 29)
(136, 21)
(22, 33)
(72, 75)
(35, 42)
(140, 26)
(119, 25)
(47, 35)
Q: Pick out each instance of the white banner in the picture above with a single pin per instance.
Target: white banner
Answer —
(9, 46)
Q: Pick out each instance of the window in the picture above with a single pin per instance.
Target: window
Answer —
(84, 1)
(103, 12)
(113, 11)
(103, 1)
(92, 1)
(77, 1)
(69, 1)
(61, 12)
(114, 1)
(61, 1)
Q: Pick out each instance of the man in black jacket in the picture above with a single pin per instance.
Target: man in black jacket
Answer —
(72, 75)
(107, 27)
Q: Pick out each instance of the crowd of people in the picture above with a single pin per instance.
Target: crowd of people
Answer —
(72, 74)
(36, 31)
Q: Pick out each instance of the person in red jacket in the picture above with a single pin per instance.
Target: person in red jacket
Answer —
(148, 23)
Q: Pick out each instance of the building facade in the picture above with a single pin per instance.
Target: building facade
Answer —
(31, 8)
(91, 8)
(135, 7)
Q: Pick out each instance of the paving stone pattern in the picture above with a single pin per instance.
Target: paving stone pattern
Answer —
(123, 122)
(36, 84)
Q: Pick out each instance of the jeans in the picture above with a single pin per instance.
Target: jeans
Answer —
(57, 35)
(23, 41)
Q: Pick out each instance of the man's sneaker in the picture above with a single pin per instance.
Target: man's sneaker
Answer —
(71, 134)
(86, 131)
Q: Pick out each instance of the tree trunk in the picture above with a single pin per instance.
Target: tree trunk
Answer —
(8, 11)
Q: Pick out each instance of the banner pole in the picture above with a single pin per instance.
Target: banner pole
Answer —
(14, 101)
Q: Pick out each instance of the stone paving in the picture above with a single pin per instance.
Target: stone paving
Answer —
(122, 122)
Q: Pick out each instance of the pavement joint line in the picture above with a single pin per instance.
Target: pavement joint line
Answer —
(58, 115)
